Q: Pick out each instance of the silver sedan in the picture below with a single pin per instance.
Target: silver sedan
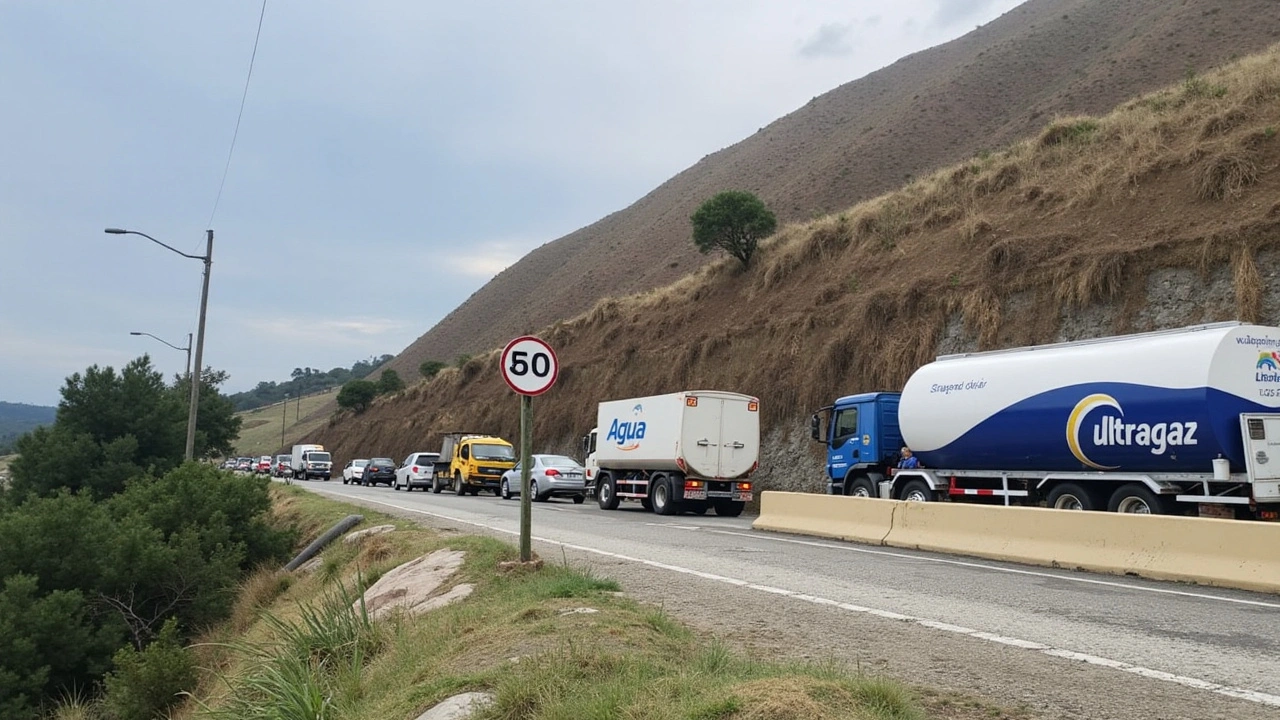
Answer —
(549, 475)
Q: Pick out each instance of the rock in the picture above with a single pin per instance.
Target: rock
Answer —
(412, 586)
(311, 565)
(579, 611)
(458, 707)
(359, 535)
(514, 565)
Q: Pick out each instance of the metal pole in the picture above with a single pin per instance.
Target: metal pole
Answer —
(284, 418)
(526, 460)
(195, 376)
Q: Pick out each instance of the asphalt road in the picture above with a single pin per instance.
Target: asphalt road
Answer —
(1183, 641)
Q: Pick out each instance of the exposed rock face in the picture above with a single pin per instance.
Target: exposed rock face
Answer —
(458, 707)
(359, 535)
(413, 587)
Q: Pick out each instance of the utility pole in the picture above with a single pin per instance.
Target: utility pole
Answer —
(284, 418)
(198, 372)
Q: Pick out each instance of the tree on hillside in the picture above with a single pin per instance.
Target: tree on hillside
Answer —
(734, 221)
(357, 394)
(389, 382)
(113, 426)
(430, 368)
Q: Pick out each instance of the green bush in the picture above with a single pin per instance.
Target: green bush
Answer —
(430, 368)
(357, 394)
(146, 683)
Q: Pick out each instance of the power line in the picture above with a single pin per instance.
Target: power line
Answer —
(239, 115)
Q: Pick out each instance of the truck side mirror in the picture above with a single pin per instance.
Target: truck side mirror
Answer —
(815, 427)
(586, 444)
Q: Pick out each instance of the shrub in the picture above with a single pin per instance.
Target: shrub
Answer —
(357, 394)
(430, 368)
(148, 682)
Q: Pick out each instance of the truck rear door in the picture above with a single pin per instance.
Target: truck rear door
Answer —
(700, 435)
(739, 437)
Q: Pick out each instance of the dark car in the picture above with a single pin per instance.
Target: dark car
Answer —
(379, 470)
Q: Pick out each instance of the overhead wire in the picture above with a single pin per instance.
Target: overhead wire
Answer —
(236, 133)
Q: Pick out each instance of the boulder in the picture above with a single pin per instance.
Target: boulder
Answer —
(458, 707)
(414, 586)
(359, 535)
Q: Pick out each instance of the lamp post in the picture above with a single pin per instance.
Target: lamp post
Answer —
(175, 347)
(207, 259)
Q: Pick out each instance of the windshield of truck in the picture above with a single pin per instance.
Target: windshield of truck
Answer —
(560, 461)
(484, 451)
(317, 457)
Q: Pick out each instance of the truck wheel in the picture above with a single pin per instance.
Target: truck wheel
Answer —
(607, 496)
(916, 491)
(661, 496)
(860, 487)
(699, 509)
(1135, 499)
(458, 488)
(730, 508)
(1069, 496)
(436, 485)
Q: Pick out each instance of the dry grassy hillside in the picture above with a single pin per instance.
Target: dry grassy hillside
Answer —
(1162, 213)
(991, 87)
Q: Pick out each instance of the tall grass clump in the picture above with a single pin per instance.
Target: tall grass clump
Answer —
(312, 665)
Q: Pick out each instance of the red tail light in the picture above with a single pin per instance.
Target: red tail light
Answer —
(415, 468)
(552, 472)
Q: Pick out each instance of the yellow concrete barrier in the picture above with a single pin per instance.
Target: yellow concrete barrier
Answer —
(1224, 553)
(847, 518)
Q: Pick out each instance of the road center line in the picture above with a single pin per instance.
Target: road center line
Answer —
(1013, 571)
(1196, 683)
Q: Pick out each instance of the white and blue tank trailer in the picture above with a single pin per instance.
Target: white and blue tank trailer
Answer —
(1183, 421)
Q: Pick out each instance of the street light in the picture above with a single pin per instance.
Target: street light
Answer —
(175, 347)
(207, 259)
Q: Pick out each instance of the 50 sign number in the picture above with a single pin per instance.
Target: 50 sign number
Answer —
(529, 365)
(521, 363)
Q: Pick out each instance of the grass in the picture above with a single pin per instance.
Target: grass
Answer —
(260, 431)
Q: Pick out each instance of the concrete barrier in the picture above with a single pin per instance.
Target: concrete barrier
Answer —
(847, 518)
(1224, 553)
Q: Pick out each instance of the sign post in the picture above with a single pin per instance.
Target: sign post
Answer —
(529, 367)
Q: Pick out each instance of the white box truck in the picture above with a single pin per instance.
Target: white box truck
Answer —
(692, 450)
(311, 461)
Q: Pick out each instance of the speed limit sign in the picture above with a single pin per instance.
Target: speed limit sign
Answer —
(529, 365)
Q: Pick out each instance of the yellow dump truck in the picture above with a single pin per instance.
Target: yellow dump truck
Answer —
(471, 462)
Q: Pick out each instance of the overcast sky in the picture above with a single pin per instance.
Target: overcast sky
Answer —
(392, 157)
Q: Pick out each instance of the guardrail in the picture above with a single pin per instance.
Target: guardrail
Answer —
(1223, 553)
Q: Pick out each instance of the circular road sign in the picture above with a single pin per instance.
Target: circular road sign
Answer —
(529, 365)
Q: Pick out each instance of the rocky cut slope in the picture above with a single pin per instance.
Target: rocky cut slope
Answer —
(1164, 212)
(984, 90)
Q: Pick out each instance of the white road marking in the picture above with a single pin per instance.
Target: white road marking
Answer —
(1013, 571)
(1196, 683)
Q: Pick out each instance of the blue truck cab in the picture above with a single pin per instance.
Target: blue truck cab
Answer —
(862, 441)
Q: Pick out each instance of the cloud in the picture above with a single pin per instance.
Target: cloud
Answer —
(831, 40)
(951, 12)
(487, 259)
(346, 331)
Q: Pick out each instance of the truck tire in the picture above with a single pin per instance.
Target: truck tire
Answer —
(436, 485)
(459, 489)
(916, 491)
(646, 503)
(1070, 496)
(1137, 499)
(607, 495)
(859, 486)
(663, 504)
(730, 508)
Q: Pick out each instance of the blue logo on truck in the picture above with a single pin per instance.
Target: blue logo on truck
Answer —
(627, 435)
(1110, 430)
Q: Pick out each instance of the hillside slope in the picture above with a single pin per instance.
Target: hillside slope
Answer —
(1163, 213)
(981, 91)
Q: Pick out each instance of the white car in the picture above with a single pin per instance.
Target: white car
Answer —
(354, 471)
(549, 476)
(417, 470)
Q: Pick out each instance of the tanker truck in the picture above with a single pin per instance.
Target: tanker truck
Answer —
(690, 451)
(1180, 421)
